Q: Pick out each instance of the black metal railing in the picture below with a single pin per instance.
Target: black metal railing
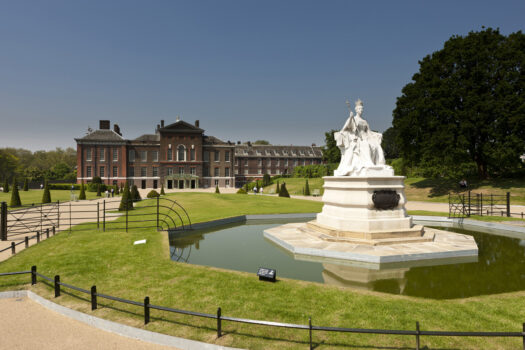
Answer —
(468, 203)
(147, 306)
(161, 213)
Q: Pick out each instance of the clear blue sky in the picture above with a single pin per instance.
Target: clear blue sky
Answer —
(248, 70)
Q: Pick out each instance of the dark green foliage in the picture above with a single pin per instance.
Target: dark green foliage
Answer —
(98, 190)
(277, 189)
(217, 189)
(331, 153)
(241, 191)
(466, 106)
(389, 145)
(82, 194)
(266, 180)
(135, 195)
(26, 184)
(96, 180)
(6, 186)
(306, 188)
(117, 190)
(65, 187)
(15, 196)
(93, 187)
(153, 194)
(126, 203)
(46, 197)
(283, 192)
(162, 190)
(316, 170)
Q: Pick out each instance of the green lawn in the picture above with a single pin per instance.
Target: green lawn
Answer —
(110, 261)
(35, 196)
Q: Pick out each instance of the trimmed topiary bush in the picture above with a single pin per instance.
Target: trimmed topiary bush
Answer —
(135, 195)
(217, 189)
(162, 190)
(15, 196)
(153, 194)
(82, 194)
(117, 190)
(46, 197)
(306, 188)
(283, 191)
(26, 184)
(277, 188)
(126, 203)
(241, 191)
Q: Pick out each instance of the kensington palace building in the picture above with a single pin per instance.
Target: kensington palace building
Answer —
(180, 155)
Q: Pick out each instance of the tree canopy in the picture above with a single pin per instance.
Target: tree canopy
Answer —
(331, 153)
(466, 106)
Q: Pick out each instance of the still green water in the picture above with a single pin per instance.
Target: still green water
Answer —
(500, 266)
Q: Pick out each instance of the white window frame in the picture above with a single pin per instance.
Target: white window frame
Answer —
(131, 155)
(178, 153)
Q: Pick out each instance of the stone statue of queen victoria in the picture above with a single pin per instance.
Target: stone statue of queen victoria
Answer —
(361, 152)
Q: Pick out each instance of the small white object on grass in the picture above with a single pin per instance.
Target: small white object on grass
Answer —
(142, 241)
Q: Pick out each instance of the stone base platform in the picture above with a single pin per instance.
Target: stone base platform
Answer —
(303, 241)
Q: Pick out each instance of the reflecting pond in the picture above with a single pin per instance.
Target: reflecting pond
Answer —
(500, 266)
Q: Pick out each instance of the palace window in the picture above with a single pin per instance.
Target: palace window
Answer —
(181, 170)
(170, 171)
(217, 156)
(227, 172)
(101, 171)
(227, 156)
(115, 171)
(259, 171)
(131, 171)
(259, 162)
(155, 156)
(192, 154)
(131, 155)
(143, 171)
(193, 171)
(115, 154)
(245, 171)
(170, 154)
(88, 171)
(206, 156)
(277, 162)
(181, 154)
(227, 183)
(102, 155)
(246, 162)
(88, 154)
(205, 171)
(143, 156)
(155, 171)
(216, 172)
(216, 182)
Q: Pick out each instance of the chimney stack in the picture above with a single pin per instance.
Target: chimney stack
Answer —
(116, 128)
(104, 125)
(197, 124)
(162, 123)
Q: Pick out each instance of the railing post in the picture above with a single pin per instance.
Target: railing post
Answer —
(3, 221)
(104, 216)
(13, 249)
(57, 286)
(54, 231)
(523, 336)
(41, 218)
(126, 218)
(310, 331)
(98, 215)
(508, 204)
(47, 232)
(481, 203)
(58, 215)
(219, 325)
(37, 236)
(417, 335)
(93, 298)
(70, 217)
(158, 213)
(33, 275)
(469, 203)
(146, 310)
(26, 239)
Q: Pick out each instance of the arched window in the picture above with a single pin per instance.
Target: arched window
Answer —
(181, 152)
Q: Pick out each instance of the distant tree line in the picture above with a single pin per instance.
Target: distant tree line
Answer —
(58, 164)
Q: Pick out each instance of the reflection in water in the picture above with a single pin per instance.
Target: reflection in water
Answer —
(499, 267)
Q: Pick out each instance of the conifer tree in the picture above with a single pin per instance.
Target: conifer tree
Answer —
(306, 189)
(283, 191)
(277, 189)
(46, 197)
(116, 190)
(162, 190)
(126, 203)
(82, 194)
(217, 189)
(26, 184)
(135, 195)
(15, 196)
(6, 186)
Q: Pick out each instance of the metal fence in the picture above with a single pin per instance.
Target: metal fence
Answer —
(147, 307)
(160, 213)
(469, 203)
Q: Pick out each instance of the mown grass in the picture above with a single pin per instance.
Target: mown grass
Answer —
(110, 261)
(35, 196)
(296, 185)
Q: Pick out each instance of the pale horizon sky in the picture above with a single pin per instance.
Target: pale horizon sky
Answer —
(275, 70)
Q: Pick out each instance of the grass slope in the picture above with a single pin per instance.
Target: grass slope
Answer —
(35, 196)
(110, 261)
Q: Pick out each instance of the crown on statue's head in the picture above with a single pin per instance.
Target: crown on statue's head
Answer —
(358, 102)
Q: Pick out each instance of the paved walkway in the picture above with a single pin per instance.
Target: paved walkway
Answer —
(27, 325)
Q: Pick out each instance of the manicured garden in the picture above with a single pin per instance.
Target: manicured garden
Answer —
(110, 261)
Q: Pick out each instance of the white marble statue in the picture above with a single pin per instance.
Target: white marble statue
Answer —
(361, 152)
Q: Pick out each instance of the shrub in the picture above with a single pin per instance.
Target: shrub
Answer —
(64, 187)
(6, 186)
(153, 194)
(162, 190)
(266, 180)
(306, 188)
(135, 195)
(15, 196)
(82, 194)
(217, 189)
(283, 191)
(98, 190)
(277, 189)
(96, 180)
(116, 190)
(46, 197)
(93, 187)
(241, 191)
(126, 203)
(315, 170)
(26, 184)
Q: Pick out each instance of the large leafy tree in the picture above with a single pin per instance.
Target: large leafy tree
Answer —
(331, 153)
(466, 105)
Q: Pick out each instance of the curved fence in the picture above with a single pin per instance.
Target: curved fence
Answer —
(147, 306)
(161, 213)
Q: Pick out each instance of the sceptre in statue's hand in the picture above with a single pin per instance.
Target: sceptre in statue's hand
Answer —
(350, 119)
